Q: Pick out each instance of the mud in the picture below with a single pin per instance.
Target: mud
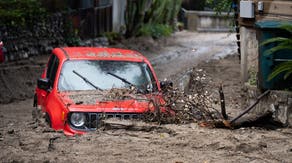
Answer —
(18, 78)
(91, 97)
(23, 139)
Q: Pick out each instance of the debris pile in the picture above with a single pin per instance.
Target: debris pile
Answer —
(194, 106)
(91, 96)
(121, 94)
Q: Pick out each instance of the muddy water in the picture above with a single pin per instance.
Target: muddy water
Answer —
(182, 54)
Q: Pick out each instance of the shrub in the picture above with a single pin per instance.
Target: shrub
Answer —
(146, 17)
(20, 12)
(155, 30)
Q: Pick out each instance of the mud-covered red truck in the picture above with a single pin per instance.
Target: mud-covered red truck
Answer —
(82, 85)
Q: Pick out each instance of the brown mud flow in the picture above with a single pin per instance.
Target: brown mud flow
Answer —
(18, 79)
(23, 139)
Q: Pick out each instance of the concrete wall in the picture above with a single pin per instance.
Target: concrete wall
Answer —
(249, 52)
(119, 8)
(208, 21)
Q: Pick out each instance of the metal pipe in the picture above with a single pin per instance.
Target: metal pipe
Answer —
(251, 106)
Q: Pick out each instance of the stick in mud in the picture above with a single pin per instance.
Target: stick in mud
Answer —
(222, 102)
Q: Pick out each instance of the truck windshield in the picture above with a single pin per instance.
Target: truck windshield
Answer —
(98, 73)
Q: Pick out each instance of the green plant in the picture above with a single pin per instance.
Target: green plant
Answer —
(180, 26)
(134, 15)
(219, 6)
(141, 13)
(282, 43)
(21, 12)
(112, 36)
(285, 67)
(71, 35)
(155, 30)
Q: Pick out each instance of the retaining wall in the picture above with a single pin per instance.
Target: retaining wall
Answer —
(40, 38)
(208, 21)
(24, 42)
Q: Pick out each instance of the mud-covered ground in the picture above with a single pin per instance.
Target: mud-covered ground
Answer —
(23, 140)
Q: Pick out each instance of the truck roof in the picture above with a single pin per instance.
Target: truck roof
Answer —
(94, 53)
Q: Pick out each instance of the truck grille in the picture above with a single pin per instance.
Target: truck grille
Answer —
(93, 119)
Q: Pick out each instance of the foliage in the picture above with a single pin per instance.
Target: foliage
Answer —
(282, 43)
(143, 13)
(219, 6)
(71, 35)
(27, 14)
(20, 12)
(283, 67)
(155, 30)
(112, 36)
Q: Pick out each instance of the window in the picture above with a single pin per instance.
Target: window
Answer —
(77, 75)
(52, 69)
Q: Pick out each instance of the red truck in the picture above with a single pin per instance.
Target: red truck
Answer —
(82, 85)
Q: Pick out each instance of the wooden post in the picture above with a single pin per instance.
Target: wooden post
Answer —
(244, 53)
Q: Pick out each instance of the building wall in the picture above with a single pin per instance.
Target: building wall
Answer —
(119, 8)
(249, 52)
(208, 21)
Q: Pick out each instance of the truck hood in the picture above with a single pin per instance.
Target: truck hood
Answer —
(114, 100)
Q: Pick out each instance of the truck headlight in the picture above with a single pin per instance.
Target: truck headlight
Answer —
(77, 119)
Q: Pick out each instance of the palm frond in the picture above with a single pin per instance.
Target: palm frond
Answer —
(288, 73)
(281, 43)
(287, 27)
(283, 67)
(274, 40)
(278, 48)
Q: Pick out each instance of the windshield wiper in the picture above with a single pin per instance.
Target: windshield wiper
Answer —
(122, 79)
(87, 81)
(125, 81)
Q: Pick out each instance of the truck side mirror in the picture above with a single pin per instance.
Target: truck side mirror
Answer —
(166, 84)
(43, 83)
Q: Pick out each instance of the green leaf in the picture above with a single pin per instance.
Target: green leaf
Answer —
(283, 67)
(274, 40)
(281, 43)
(287, 27)
(288, 74)
(278, 48)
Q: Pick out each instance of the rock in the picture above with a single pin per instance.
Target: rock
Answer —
(263, 145)
(11, 131)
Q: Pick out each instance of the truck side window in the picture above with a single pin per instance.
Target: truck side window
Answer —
(52, 69)
(50, 66)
